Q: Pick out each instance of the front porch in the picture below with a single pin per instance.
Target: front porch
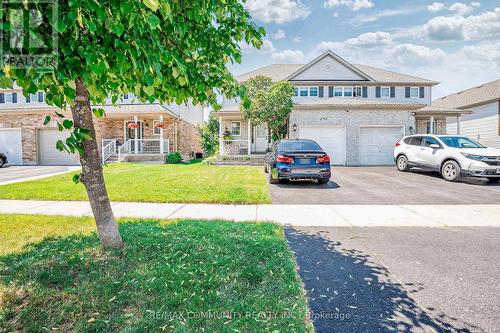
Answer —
(238, 137)
(432, 119)
(136, 137)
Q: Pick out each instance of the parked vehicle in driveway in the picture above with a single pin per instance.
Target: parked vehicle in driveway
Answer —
(454, 156)
(3, 159)
(297, 160)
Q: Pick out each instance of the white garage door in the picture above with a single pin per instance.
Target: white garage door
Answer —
(11, 145)
(376, 144)
(330, 138)
(47, 151)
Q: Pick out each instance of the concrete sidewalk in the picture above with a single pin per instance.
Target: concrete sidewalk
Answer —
(296, 215)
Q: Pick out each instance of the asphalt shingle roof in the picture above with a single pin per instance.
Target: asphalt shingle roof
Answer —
(278, 72)
(478, 95)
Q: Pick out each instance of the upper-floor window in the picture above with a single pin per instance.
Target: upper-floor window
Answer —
(313, 91)
(235, 128)
(296, 91)
(338, 92)
(304, 92)
(414, 92)
(40, 96)
(385, 92)
(347, 91)
(343, 92)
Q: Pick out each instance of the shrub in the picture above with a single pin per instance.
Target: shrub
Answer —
(211, 160)
(174, 158)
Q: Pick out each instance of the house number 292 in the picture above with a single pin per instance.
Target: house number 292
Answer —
(323, 118)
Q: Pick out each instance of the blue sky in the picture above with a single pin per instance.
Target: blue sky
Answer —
(455, 43)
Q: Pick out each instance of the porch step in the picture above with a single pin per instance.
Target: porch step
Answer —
(240, 160)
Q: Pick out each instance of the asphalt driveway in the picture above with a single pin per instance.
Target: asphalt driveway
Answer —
(400, 279)
(386, 186)
(14, 173)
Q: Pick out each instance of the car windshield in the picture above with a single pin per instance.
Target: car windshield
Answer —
(299, 145)
(460, 142)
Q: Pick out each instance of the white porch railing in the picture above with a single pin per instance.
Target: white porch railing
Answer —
(235, 147)
(108, 149)
(143, 147)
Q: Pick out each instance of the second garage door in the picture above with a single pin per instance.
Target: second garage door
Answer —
(47, 151)
(376, 144)
(331, 138)
(10, 145)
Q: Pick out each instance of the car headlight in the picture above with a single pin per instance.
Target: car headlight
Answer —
(474, 157)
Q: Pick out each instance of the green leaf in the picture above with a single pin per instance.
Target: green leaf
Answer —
(6, 82)
(71, 84)
(61, 26)
(153, 20)
(77, 178)
(149, 90)
(46, 121)
(99, 113)
(60, 127)
(67, 123)
(98, 68)
(152, 4)
(246, 103)
(118, 28)
(61, 146)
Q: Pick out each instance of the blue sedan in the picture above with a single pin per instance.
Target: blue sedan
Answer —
(297, 160)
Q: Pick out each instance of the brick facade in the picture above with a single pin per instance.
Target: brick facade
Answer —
(183, 136)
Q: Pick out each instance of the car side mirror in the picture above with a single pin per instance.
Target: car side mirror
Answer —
(435, 146)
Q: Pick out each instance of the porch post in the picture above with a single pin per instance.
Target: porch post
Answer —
(432, 125)
(249, 137)
(136, 141)
(459, 117)
(221, 143)
(162, 148)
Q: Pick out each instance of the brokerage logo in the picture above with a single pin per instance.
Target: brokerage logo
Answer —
(28, 34)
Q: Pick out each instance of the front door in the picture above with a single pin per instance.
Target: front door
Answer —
(130, 134)
(261, 138)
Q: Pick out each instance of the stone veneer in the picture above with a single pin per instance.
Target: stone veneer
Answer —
(183, 136)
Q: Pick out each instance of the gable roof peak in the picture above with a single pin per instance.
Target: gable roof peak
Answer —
(337, 58)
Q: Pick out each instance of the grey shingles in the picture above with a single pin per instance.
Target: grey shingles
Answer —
(478, 95)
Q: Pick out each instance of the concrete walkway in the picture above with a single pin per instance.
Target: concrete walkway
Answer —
(296, 215)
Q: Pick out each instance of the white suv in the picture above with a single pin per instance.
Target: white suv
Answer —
(454, 156)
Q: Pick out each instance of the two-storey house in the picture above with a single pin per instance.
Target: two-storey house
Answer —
(131, 130)
(355, 112)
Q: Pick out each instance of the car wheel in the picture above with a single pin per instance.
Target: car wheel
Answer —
(402, 163)
(2, 162)
(323, 180)
(272, 180)
(451, 171)
(494, 179)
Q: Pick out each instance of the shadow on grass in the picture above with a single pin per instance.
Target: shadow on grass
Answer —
(349, 292)
(183, 277)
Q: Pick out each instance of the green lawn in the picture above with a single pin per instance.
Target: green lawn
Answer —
(194, 183)
(173, 276)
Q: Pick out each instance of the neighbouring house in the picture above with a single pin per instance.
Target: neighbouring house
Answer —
(131, 131)
(355, 112)
(483, 124)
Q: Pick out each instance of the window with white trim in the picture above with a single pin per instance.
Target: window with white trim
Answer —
(8, 98)
(358, 91)
(296, 91)
(304, 91)
(414, 92)
(385, 92)
(347, 91)
(313, 91)
(236, 128)
(337, 92)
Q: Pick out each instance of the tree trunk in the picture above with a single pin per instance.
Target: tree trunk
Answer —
(92, 176)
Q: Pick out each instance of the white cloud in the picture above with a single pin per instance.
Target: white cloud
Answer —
(435, 7)
(297, 39)
(460, 8)
(369, 18)
(443, 28)
(417, 55)
(475, 4)
(288, 56)
(335, 14)
(277, 11)
(278, 34)
(353, 4)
